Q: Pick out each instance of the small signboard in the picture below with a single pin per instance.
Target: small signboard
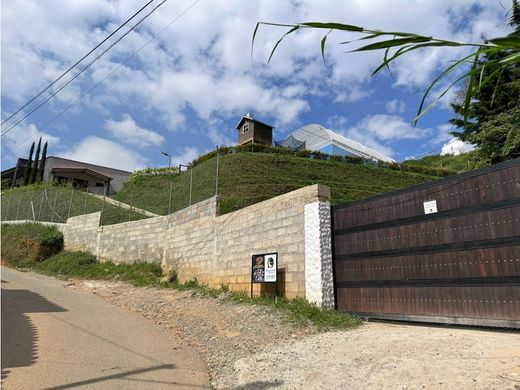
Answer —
(264, 268)
(430, 207)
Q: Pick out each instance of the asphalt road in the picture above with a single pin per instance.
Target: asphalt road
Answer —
(53, 337)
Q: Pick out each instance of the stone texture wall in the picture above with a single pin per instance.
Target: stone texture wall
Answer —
(198, 243)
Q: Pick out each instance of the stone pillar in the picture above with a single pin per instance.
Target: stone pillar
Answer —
(319, 281)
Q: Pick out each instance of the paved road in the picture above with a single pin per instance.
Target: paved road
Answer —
(56, 338)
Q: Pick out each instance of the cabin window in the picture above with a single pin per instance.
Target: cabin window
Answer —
(100, 184)
(245, 128)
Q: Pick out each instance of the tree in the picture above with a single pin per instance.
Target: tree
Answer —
(34, 170)
(493, 103)
(28, 169)
(41, 168)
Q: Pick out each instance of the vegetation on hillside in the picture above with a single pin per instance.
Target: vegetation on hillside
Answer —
(34, 242)
(460, 163)
(55, 203)
(246, 178)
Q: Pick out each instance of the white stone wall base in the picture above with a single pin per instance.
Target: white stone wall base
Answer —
(319, 281)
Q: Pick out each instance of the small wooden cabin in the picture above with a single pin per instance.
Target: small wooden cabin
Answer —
(253, 131)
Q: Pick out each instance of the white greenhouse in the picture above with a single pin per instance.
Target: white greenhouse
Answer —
(317, 137)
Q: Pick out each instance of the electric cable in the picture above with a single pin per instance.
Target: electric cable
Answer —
(85, 68)
(76, 63)
(109, 74)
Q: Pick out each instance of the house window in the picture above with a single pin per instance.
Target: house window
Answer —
(245, 128)
(100, 184)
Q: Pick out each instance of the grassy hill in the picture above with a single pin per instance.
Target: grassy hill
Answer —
(458, 164)
(246, 178)
(56, 203)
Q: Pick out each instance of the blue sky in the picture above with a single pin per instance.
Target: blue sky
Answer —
(185, 91)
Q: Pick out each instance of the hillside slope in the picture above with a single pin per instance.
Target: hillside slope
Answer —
(56, 203)
(458, 164)
(248, 178)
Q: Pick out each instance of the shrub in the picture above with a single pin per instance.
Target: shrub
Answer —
(30, 242)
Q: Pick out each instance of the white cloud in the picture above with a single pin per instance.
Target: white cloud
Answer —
(337, 122)
(186, 156)
(203, 62)
(100, 151)
(129, 132)
(388, 127)
(395, 106)
(18, 146)
(456, 147)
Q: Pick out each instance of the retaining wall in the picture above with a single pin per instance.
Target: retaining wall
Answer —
(198, 243)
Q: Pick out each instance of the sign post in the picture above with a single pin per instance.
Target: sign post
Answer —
(264, 268)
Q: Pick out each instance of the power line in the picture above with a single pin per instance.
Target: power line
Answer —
(109, 74)
(86, 67)
(76, 63)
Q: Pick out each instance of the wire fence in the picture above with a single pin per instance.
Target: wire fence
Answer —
(144, 196)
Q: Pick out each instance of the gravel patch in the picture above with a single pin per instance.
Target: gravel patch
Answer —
(251, 347)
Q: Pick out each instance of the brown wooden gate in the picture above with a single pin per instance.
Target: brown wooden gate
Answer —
(458, 265)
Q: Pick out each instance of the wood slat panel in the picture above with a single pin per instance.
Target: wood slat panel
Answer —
(460, 265)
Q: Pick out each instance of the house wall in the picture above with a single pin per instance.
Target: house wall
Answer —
(263, 134)
(119, 177)
(198, 243)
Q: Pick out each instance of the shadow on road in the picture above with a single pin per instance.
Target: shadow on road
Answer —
(126, 375)
(19, 335)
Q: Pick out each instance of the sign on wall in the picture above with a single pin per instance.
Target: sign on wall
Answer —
(264, 268)
(430, 207)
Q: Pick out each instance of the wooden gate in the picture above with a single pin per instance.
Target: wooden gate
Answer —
(446, 251)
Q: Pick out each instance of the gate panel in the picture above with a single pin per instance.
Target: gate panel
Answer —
(458, 265)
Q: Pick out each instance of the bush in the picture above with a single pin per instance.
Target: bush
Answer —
(30, 242)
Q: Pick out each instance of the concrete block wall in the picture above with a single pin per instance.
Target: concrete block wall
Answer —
(81, 232)
(198, 243)
(129, 242)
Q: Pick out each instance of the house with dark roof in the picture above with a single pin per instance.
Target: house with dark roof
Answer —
(91, 177)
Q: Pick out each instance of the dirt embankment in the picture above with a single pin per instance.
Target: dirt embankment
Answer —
(250, 347)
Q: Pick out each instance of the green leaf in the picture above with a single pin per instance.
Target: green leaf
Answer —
(280, 40)
(511, 59)
(333, 26)
(323, 40)
(436, 80)
(506, 42)
(392, 43)
(253, 39)
(469, 90)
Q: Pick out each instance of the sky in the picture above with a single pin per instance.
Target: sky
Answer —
(184, 91)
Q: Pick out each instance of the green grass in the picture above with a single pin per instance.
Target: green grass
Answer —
(246, 178)
(16, 204)
(29, 242)
(460, 163)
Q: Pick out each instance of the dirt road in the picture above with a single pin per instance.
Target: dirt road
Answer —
(54, 337)
(248, 347)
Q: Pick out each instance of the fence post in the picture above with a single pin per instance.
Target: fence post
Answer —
(191, 182)
(131, 203)
(86, 199)
(41, 205)
(7, 211)
(70, 204)
(30, 205)
(216, 175)
(32, 209)
(103, 206)
(18, 209)
(54, 206)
